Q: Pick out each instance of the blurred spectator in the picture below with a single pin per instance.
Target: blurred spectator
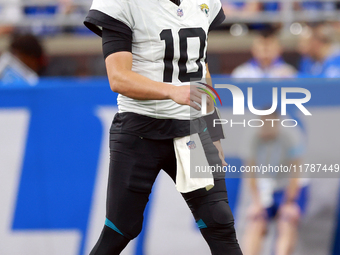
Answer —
(231, 8)
(321, 56)
(316, 5)
(267, 61)
(11, 12)
(270, 6)
(28, 49)
(275, 194)
(303, 49)
(44, 17)
(236, 8)
(303, 5)
(23, 62)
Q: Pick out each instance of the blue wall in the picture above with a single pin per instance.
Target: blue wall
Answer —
(63, 144)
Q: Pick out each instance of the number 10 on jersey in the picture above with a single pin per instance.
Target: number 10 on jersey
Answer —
(184, 34)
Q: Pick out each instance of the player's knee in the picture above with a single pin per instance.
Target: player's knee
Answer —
(258, 225)
(221, 213)
(217, 219)
(133, 231)
(110, 242)
(290, 213)
(130, 231)
(257, 217)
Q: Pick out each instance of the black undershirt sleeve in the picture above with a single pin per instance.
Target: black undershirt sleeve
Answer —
(96, 20)
(220, 17)
(114, 41)
(216, 23)
(116, 36)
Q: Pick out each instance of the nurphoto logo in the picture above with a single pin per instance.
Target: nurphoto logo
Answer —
(239, 105)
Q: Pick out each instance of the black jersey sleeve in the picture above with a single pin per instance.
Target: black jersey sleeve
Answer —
(220, 17)
(97, 20)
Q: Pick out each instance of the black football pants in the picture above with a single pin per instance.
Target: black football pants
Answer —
(134, 165)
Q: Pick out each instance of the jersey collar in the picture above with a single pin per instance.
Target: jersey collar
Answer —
(181, 12)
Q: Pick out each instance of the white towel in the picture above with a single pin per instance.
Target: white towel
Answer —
(190, 154)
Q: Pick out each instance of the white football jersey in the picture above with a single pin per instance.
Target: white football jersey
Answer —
(169, 44)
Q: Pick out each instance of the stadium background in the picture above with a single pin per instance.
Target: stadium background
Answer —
(54, 137)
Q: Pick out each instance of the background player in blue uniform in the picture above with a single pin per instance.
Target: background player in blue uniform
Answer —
(275, 195)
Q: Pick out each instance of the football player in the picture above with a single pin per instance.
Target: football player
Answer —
(153, 49)
(276, 196)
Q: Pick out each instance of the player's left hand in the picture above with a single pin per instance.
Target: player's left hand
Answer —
(218, 145)
(196, 96)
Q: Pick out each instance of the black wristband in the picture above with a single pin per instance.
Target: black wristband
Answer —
(216, 133)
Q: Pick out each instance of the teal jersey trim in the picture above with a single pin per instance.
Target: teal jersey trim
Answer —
(112, 226)
(205, 129)
(200, 223)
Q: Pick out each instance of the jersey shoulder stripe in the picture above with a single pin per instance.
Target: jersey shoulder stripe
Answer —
(218, 20)
(214, 8)
(96, 20)
(102, 10)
